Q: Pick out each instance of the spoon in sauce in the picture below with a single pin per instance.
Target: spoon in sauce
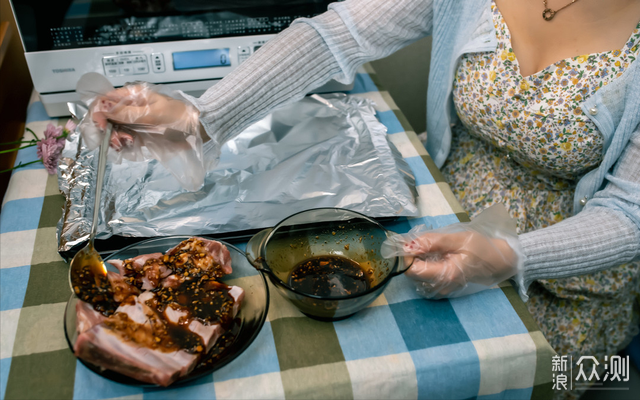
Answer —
(87, 271)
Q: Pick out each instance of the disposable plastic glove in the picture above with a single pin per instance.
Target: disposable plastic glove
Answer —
(136, 107)
(461, 258)
(150, 122)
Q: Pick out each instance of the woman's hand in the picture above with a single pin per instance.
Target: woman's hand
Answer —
(461, 258)
(135, 108)
(447, 263)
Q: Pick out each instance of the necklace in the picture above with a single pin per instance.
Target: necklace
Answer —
(548, 13)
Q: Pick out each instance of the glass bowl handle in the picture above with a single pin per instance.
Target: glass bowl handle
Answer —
(408, 262)
(254, 249)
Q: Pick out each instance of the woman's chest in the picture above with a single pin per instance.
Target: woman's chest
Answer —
(577, 28)
(537, 119)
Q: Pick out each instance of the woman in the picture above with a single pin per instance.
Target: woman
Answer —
(544, 100)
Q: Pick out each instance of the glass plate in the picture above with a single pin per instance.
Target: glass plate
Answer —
(247, 325)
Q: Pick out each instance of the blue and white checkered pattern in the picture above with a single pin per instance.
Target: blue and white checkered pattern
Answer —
(483, 346)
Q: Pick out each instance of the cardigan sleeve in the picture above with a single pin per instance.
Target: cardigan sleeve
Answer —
(603, 235)
(308, 54)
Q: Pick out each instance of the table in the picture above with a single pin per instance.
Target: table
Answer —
(484, 346)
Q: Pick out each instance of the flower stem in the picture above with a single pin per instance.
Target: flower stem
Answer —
(32, 132)
(19, 141)
(20, 148)
(20, 165)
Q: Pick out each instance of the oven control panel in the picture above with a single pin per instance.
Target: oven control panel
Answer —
(140, 63)
(125, 65)
(186, 62)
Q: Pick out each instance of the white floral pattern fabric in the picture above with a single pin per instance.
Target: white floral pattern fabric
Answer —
(525, 142)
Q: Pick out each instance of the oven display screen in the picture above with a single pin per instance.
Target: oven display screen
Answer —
(71, 24)
(201, 59)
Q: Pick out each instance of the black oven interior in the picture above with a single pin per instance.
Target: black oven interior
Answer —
(71, 24)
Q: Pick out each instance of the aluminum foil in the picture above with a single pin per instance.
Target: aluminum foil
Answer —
(323, 151)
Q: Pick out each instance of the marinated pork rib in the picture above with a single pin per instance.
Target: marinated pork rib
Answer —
(144, 272)
(210, 333)
(160, 334)
(129, 342)
(199, 257)
(121, 289)
(154, 347)
(87, 317)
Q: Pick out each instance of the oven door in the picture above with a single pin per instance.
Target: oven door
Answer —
(189, 44)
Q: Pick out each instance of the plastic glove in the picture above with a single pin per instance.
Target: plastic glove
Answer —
(150, 122)
(461, 258)
(137, 107)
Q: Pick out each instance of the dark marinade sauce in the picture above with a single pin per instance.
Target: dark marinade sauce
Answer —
(204, 299)
(208, 301)
(219, 349)
(157, 334)
(133, 276)
(329, 276)
(95, 289)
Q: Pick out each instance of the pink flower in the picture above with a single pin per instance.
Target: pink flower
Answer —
(52, 131)
(69, 127)
(48, 150)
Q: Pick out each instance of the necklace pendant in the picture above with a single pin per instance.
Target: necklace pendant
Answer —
(548, 14)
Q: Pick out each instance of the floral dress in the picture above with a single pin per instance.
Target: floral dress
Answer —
(525, 142)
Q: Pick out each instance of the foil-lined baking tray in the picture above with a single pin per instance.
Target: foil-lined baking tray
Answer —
(322, 151)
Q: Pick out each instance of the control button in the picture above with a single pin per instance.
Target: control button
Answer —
(243, 53)
(157, 62)
(126, 70)
(110, 65)
(111, 71)
(141, 68)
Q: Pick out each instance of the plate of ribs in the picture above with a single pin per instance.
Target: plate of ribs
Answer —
(172, 309)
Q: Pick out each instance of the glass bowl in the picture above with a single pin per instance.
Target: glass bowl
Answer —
(247, 323)
(312, 259)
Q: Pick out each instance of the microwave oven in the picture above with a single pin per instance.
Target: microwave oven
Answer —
(186, 44)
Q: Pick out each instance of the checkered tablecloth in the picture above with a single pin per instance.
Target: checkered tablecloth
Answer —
(483, 346)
